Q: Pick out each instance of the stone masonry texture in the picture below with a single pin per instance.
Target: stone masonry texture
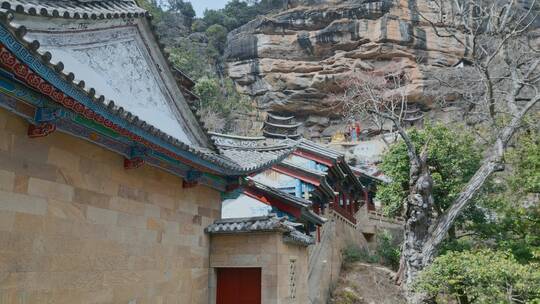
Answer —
(75, 227)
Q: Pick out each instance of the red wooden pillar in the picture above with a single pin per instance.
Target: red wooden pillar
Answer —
(349, 204)
(370, 205)
(316, 208)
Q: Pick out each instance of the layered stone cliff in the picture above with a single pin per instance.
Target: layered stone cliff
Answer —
(291, 61)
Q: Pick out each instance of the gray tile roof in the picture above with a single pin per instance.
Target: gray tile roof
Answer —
(303, 204)
(252, 224)
(311, 146)
(270, 223)
(297, 237)
(250, 153)
(231, 162)
(100, 9)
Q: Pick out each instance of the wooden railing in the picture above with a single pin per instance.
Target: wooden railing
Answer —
(343, 213)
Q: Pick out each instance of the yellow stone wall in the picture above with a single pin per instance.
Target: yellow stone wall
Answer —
(268, 252)
(75, 227)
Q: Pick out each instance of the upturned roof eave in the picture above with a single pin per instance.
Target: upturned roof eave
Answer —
(95, 12)
(213, 162)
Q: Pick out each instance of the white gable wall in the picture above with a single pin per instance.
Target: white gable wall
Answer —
(120, 59)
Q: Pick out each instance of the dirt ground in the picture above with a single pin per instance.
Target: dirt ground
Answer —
(363, 283)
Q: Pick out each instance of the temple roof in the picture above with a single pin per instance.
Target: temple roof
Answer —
(311, 146)
(94, 9)
(298, 202)
(280, 127)
(277, 117)
(250, 152)
(371, 172)
(90, 67)
(291, 126)
(121, 61)
(270, 223)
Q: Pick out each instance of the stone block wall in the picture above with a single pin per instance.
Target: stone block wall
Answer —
(268, 252)
(325, 257)
(75, 227)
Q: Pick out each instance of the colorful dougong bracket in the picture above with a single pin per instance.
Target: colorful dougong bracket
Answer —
(41, 130)
(44, 122)
(192, 179)
(136, 160)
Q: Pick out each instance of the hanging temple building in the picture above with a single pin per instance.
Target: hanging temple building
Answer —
(112, 191)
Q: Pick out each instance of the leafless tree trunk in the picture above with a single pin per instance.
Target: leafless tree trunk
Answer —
(502, 45)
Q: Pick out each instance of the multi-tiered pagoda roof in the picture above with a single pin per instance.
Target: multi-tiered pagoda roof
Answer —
(281, 127)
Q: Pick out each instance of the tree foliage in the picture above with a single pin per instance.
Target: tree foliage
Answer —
(482, 276)
(513, 204)
(217, 37)
(237, 12)
(219, 97)
(453, 157)
(190, 59)
(183, 7)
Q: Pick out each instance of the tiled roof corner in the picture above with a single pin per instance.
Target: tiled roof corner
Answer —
(252, 153)
(269, 223)
(252, 224)
(298, 238)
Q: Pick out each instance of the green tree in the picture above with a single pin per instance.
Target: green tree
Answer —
(241, 12)
(219, 96)
(217, 37)
(185, 8)
(482, 276)
(190, 59)
(453, 159)
(199, 26)
(514, 221)
(211, 17)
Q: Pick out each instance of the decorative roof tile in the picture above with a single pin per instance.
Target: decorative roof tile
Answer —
(311, 146)
(270, 223)
(100, 9)
(253, 224)
(253, 152)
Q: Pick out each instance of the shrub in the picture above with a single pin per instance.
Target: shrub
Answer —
(198, 26)
(353, 253)
(388, 252)
(217, 37)
(483, 276)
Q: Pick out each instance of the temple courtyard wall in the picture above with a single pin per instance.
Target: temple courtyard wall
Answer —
(325, 257)
(76, 227)
(284, 266)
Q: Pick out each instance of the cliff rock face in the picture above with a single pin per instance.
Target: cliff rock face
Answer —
(290, 62)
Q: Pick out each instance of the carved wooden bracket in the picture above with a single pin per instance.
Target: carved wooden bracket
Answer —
(133, 163)
(136, 160)
(41, 130)
(192, 179)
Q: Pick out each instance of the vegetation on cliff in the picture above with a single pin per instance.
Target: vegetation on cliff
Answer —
(196, 46)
